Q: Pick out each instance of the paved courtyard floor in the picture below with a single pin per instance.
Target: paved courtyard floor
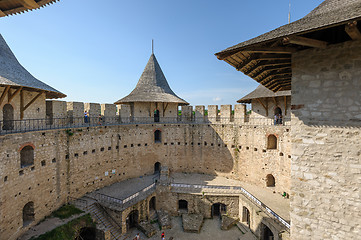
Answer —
(211, 230)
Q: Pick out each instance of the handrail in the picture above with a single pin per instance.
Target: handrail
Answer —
(99, 218)
(244, 191)
(27, 125)
(120, 203)
(108, 215)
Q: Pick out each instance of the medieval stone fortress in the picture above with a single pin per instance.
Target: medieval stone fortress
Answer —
(288, 169)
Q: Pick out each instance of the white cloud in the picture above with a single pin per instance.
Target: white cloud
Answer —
(217, 99)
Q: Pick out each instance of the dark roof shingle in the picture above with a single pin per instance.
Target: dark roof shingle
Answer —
(152, 87)
(13, 74)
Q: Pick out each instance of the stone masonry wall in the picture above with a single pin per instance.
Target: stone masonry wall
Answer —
(69, 164)
(326, 146)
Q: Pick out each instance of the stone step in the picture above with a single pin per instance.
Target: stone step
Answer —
(243, 228)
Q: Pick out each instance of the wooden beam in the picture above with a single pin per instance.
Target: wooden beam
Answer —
(282, 50)
(29, 4)
(2, 14)
(164, 108)
(14, 94)
(264, 106)
(285, 100)
(274, 100)
(4, 94)
(267, 69)
(352, 30)
(268, 63)
(33, 100)
(308, 42)
(272, 78)
(21, 105)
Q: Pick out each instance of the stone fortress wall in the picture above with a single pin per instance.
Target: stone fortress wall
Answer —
(326, 145)
(71, 162)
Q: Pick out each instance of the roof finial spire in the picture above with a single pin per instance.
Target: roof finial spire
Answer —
(152, 46)
(289, 12)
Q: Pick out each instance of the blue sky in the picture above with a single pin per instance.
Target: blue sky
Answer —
(97, 54)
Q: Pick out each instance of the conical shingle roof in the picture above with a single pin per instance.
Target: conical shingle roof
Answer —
(13, 74)
(152, 87)
(262, 92)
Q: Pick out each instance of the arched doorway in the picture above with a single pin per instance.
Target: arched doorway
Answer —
(246, 217)
(157, 168)
(218, 209)
(87, 233)
(28, 214)
(271, 142)
(156, 115)
(132, 219)
(270, 181)
(8, 117)
(278, 115)
(267, 234)
(183, 206)
(152, 204)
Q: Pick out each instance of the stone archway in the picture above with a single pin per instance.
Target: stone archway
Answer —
(218, 209)
(132, 219)
(266, 233)
(87, 233)
(28, 214)
(157, 168)
(152, 204)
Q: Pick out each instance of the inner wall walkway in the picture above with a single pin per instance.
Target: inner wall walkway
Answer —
(124, 189)
(275, 201)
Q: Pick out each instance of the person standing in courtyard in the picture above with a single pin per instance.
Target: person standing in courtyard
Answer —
(162, 236)
(137, 237)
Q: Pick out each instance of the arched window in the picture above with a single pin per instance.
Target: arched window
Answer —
(183, 205)
(272, 142)
(157, 167)
(246, 218)
(270, 181)
(26, 156)
(28, 214)
(156, 115)
(157, 136)
(8, 117)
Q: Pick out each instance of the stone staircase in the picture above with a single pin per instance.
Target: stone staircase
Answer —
(91, 206)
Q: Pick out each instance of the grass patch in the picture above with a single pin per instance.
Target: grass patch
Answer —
(67, 231)
(66, 211)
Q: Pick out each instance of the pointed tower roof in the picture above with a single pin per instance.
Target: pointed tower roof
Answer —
(263, 92)
(13, 74)
(152, 87)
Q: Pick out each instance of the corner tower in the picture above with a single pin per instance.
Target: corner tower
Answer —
(152, 99)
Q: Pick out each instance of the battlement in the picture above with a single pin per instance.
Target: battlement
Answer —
(123, 113)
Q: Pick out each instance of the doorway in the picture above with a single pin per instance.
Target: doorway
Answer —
(218, 209)
(156, 115)
(132, 219)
